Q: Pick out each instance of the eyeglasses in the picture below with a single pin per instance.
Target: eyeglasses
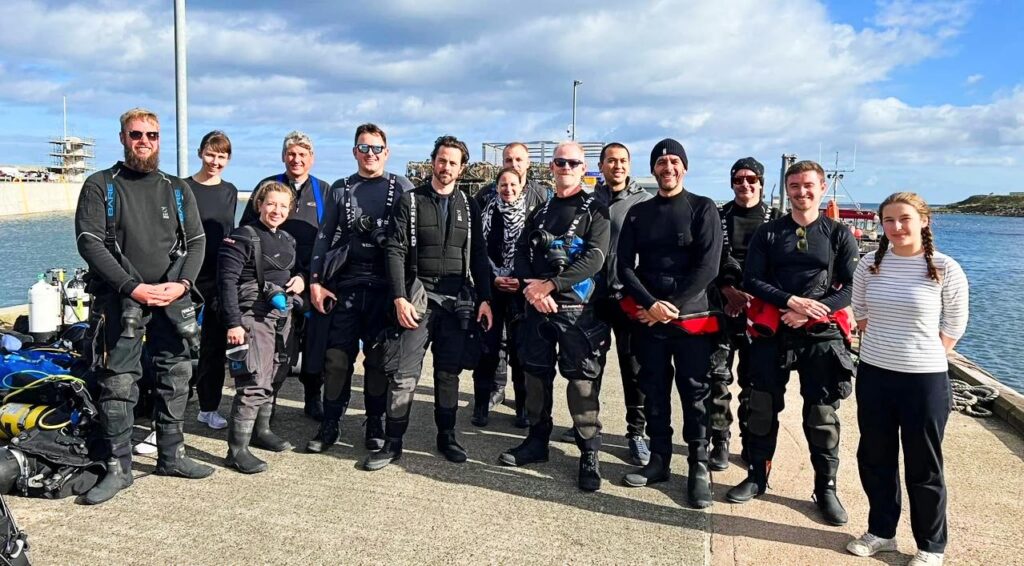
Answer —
(367, 148)
(801, 243)
(137, 135)
(563, 162)
(750, 179)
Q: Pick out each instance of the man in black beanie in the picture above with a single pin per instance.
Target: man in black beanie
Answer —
(740, 218)
(668, 255)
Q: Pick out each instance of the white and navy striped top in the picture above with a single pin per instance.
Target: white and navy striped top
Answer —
(906, 310)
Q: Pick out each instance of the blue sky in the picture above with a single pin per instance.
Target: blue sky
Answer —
(930, 93)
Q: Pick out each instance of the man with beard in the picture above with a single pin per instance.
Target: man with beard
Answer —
(348, 284)
(303, 224)
(440, 278)
(517, 156)
(800, 265)
(669, 251)
(563, 247)
(619, 193)
(740, 218)
(140, 232)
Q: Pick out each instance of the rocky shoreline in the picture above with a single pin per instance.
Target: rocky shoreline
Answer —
(988, 205)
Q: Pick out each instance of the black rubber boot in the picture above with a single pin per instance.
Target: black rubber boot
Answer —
(330, 428)
(718, 459)
(390, 452)
(698, 486)
(446, 442)
(531, 451)
(239, 456)
(171, 459)
(755, 484)
(828, 503)
(263, 437)
(375, 409)
(590, 471)
(656, 471)
(481, 411)
(118, 477)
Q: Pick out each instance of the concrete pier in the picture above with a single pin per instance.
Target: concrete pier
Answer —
(324, 509)
(18, 198)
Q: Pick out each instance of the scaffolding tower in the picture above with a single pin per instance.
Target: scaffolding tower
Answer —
(72, 158)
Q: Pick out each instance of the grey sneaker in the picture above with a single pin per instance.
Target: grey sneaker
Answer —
(869, 545)
(639, 454)
(923, 558)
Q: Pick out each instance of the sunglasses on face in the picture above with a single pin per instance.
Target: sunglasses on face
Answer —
(563, 162)
(801, 243)
(750, 179)
(367, 148)
(137, 135)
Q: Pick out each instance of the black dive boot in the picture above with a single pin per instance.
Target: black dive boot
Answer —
(239, 456)
(118, 477)
(718, 458)
(590, 471)
(755, 484)
(481, 410)
(522, 420)
(532, 450)
(375, 422)
(657, 470)
(698, 486)
(828, 503)
(263, 437)
(171, 459)
(330, 428)
(446, 442)
(391, 451)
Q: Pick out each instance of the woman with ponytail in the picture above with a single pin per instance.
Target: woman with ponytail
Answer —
(910, 302)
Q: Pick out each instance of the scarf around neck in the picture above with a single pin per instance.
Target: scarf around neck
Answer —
(514, 217)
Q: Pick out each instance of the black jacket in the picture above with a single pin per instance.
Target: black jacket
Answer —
(304, 221)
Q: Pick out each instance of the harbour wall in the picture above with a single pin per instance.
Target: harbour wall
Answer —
(17, 198)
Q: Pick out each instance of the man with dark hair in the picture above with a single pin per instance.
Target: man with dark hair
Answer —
(740, 218)
(140, 232)
(303, 224)
(348, 284)
(517, 156)
(562, 250)
(619, 193)
(436, 265)
(801, 266)
(669, 251)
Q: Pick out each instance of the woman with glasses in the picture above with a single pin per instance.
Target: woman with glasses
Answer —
(911, 304)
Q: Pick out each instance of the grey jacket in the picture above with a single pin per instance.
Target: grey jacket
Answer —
(617, 203)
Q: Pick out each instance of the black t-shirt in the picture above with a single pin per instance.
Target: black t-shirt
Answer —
(217, 204)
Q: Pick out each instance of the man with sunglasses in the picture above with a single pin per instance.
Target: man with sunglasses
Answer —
(669, 250)
(741, 217)
(563, 247)
(134, 225)
(303, 223)
(348, 284)
(801, 264)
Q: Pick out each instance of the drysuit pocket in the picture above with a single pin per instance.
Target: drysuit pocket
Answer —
(842, 385)
(243, 359)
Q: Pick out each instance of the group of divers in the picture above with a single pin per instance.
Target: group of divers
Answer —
(524, 280)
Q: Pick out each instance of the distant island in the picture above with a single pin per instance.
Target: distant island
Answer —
(989, 205)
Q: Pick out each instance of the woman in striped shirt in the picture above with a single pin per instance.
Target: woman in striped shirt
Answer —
(910, 302)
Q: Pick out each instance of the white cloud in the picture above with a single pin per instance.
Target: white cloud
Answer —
(973, 79)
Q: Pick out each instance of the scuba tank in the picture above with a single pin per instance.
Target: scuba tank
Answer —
(76, 300)
(16, 418)
(44, 308)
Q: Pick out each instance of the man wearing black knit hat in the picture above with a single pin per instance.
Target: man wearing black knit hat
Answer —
(668, 255)
(740, 218)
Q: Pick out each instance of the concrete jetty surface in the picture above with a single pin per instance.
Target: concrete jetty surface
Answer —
(323, 509)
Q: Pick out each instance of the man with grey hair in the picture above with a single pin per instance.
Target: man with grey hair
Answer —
(564, 247)
(303, 224)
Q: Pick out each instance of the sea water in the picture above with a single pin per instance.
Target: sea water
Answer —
(990, 249)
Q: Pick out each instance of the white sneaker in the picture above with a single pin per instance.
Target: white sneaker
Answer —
(147, 446)
(923, 558)
(868, 544)
(212, 419)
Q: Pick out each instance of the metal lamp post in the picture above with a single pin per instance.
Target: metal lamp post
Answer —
(575, 85)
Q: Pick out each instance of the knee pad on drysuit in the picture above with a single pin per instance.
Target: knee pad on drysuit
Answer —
(822, 425)
(761, 414)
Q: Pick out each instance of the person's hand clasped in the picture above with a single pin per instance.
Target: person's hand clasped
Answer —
(808, 307)
(794, 319)
(736, 300)
(662, 311)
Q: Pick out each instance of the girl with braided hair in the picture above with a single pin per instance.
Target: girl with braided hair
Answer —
(911, 303)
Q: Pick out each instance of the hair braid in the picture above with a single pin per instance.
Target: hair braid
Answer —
(883, 245)
(929, 250)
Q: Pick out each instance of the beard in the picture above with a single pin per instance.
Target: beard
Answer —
(142, 165)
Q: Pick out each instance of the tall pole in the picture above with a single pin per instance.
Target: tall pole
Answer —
(181, 86)
(575, 84)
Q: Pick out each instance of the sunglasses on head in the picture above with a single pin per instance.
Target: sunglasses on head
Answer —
(750, 179)
(137, 135)
(801, 243)
(563, 162)
(367, 148)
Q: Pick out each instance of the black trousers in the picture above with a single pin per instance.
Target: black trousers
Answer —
(209, 377)
(666, 356)
(120, 369)
(730, 345)
(361, 314)
(912, 408)
(629, 366)
(498, 351)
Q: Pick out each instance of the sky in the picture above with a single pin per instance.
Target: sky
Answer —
(924, 96)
